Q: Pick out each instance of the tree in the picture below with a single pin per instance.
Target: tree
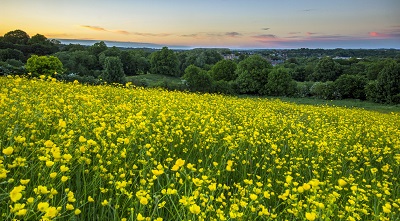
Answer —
(38, 39)
(280, 83)
(197, 79)
(78, 62)
(97, 48)
(165, 62)
(44, 65)
(326, 70)
(9, 53)
(134, 63)
(224, 70)
(253, 74)
(113, 71)
(351, 86)
(16, 37)
(388, 82)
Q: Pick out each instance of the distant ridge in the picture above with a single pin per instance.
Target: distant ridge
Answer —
(120, 44)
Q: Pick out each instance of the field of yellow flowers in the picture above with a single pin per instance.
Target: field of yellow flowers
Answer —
(76, 152)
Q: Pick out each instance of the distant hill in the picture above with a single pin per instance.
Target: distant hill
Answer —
(120, 44)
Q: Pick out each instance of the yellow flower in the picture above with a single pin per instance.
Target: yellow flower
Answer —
(144, 201)
(90, 199)
(195, 209)
(16, 194)
(62, 123)
(77, 212)
(342, 182)
(140, 217)
(8, 150)
(24, 182)
(49, 163)
(21, 212)
(387, 208)
(53, 175)
(157, 172)
(43, 206)
(104, 203)
(48, 143)
(179, 163)
(64, 168)
(306, 186)
(30, 200)
(311, 216)
(69, 206)
(51, 212)
(82, 139)
(64, 179)
(253, 196)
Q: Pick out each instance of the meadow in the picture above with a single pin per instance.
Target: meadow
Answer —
(76, 152)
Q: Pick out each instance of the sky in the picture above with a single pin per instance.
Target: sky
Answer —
(212, 23)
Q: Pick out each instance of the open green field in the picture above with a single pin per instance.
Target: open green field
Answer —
(348, 103)
(154, 80)
(76, 152)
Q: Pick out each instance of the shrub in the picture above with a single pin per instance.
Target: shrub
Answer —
(44, 65)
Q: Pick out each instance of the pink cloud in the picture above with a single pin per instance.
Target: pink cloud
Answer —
(378, 35)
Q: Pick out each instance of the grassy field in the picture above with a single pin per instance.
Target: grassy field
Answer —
(348, 103)
(154, 80)
(76, 152)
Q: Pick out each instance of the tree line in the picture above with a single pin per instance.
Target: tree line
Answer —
(327, 74)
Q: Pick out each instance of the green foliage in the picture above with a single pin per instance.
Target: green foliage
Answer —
(223, 87)
(326, 70)
(97, 48)
(165, 62)
(113, 71)
(9, 53)
(16, 37)
(351, 86)
(299, 73)
(253, 75)
(44, 65)
(12, 66)
(134, 63)
(224, 70)
(38, 39)
(197, 79)
(303, 89)
(280, 83)
(388, 82)
(324, 90)
(78, 62)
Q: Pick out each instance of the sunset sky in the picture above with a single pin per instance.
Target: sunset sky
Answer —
(212, 23)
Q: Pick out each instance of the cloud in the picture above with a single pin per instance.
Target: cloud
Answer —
(191, 35)
(94, 28)
(378, 34)
(294, 33)
(311, 33)
(265, 29)
(97, 28)
(308, 10)
(232, 34)
(151, 34)
(265, 36)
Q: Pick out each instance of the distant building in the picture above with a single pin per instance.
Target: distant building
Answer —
(230, 57)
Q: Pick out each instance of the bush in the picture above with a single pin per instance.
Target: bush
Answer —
(113, 72)
(198, 79)
(324, 90)
(81, 79)
(280, 83)
(371, 91)
(351, 86)
(303, 89)
(223, 87)
(44, 65)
